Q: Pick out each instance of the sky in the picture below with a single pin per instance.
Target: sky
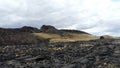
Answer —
(98, 17)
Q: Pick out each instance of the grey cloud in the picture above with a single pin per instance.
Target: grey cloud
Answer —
(110, 27)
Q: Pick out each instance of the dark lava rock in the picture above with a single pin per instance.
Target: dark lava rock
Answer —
(29, 29)
(24, 29)
(14, 63)
(102, 37)
(81, 60)
(102, 51)
(111, 46)
(48, 29)
(69, 66)
(72, 56)
(116, 53)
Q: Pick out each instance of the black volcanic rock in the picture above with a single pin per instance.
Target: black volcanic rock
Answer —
(29, 29)
(21, 39)
(48, 29)
(101, 37)
(11, 36)
(70, 55)
(23, 35)
(25, 29)
(63, 32)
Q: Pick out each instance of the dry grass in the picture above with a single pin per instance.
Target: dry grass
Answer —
(70, 38)
(108, 37)
(46, 35)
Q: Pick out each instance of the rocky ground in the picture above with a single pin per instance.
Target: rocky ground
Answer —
(99, 55)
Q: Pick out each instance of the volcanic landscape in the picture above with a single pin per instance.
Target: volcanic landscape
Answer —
(49, 47)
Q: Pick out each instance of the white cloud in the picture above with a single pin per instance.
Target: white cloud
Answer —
(94, 16)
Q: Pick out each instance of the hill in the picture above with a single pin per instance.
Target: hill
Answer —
(19, 36)
(56, 35)
(109, 37)
(32, 35)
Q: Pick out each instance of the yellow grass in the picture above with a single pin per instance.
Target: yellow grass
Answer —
(70, 38)
(108, 37)
(46, 35)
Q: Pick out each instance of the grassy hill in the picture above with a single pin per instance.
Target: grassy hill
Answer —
(68, 37)
(55, 35)
(31, 35)
(109, 37)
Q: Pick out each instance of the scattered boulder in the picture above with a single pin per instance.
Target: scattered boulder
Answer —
(81, 60)
(117, 52)
(102, 50)
(14, 63)
(69, 66)
(102, 37)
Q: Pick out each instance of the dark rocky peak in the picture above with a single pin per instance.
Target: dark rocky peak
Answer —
(29, 29)
(48, 29)
(12, 31)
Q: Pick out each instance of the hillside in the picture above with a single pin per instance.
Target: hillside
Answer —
(109, 37)
(56, 35)
(19, 36)
(29, 47)
(70, 37)
(31, 35)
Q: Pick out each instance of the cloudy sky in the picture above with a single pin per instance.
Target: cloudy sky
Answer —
(97, 17)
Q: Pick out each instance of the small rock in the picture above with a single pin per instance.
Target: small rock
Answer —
(81, 60)
(111, 46)
(69, 66)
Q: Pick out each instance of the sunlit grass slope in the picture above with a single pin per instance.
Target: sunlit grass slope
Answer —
(69, 37)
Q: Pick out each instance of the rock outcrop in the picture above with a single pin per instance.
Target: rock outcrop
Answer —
(49, 29)
(29, 29)
(62, 32)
